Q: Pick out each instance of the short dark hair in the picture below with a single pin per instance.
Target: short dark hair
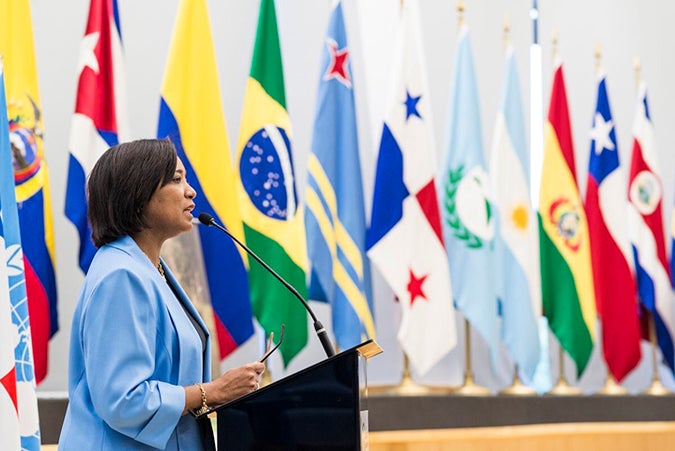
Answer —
(121, 184)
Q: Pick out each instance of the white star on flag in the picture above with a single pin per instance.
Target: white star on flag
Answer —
(87, 55)
(600, 134)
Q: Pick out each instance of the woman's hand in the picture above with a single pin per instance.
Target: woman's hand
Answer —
(234, 383)
(231, 385)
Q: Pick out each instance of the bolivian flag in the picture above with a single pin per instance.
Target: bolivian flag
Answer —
(273, 220)
(566, 273)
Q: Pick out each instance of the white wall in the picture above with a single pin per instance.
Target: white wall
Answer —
(623, 30)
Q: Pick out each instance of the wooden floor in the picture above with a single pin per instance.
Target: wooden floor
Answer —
(643, 436)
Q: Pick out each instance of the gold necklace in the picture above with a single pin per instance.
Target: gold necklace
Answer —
(160, 268)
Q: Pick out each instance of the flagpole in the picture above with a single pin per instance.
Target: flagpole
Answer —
(561, 388)
(517, 387)
(536, 110)
(469, 386)
(611, 387)
(656, 387)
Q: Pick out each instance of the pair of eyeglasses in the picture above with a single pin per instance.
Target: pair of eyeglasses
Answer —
(271, 346)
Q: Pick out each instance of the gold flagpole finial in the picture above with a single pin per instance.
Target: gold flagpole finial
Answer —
(507, 31)
(598, 56)
(637, 66)
(460, 12)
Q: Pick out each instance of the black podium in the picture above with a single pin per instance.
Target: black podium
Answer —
(322, 407)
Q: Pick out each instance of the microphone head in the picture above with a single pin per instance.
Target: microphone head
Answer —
(206, 219)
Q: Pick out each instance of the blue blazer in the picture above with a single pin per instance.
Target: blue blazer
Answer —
(132, 349)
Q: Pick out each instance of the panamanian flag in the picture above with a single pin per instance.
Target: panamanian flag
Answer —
(606, 210)
(405, 239)
(645, 222)
(99, 121)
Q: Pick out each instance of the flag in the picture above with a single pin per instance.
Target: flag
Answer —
(645, 222)
(516, 248)
(273, 220)
(335, 221)
(606, 210)
(191, 115)
(565, 255)
(405, 240)
(19, 374)
(468, 220)
(99, 121)
(9, 405)
(31, 175)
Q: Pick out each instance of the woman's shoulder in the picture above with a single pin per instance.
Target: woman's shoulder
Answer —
(123, 249)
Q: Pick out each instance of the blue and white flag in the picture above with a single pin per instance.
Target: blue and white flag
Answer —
(466, 210)
(645, 229)
(516, 247)
(18, 336)
(335, 220)
(99, 121)
(405, 239)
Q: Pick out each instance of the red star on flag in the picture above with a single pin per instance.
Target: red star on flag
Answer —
(337, 67)
(415, 287)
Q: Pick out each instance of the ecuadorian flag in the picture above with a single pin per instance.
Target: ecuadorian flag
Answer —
(191, 115)
(31, 175)
(273, 220)
(565, 250)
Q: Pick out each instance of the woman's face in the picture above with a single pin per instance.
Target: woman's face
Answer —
(169, 212)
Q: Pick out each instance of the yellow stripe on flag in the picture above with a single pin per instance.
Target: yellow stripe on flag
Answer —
(561, 187)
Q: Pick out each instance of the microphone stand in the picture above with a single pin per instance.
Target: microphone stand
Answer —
(208, 220)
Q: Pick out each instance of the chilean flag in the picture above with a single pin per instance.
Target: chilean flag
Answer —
(100, 112)
(405, 240)
(606, 209)
(645, 222)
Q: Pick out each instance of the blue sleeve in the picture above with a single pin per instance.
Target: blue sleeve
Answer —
(119, 340)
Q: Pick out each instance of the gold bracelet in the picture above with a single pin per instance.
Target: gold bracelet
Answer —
(205, 407)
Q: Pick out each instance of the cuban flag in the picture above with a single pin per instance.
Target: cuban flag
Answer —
(645, 222)
(405, 239)
(606, 210)
(516, 248)
(99, 121)
(335, 220)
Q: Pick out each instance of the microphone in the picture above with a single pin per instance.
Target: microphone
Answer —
(208, 220)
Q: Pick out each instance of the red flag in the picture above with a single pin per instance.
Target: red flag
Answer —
(606, 210)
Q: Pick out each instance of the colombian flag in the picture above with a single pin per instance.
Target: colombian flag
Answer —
(566, 272)
(273, 220)
(191, 115)
(31, 175)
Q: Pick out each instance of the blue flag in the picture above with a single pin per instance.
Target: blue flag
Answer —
(517, 270)
(191, 115)
(468, 221)
(335, 221)
(23, 349)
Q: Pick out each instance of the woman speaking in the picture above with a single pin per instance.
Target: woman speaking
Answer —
(139, 351)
